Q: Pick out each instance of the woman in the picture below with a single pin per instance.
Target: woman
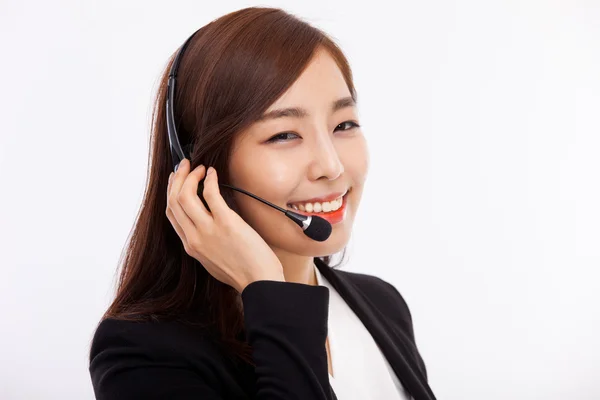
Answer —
(223, 297)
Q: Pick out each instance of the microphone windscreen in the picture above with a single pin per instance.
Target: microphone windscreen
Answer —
(319, 229)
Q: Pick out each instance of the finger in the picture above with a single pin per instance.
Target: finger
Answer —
(177, 178)
(171, 217)
(178, 229)
(169, 182)
(212, 195)
(169, 212)
(189, 200)
(180, 215)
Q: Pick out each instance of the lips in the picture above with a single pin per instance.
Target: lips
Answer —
(333, 217)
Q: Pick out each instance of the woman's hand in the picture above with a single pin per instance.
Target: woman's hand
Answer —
(230, 249)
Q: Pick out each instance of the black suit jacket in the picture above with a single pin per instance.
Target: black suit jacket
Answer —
(286, 324)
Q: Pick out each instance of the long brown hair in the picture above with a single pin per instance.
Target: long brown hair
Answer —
(234, 68)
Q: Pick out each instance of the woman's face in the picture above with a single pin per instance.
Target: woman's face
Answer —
(293, 159)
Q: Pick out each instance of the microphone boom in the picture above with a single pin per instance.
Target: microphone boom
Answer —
(313, 226)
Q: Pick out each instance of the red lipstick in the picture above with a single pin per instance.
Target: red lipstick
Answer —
(333, 217)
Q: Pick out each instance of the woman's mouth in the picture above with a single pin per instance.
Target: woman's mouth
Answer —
(333, 211)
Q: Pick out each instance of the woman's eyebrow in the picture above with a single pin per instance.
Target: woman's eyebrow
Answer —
(297, 112)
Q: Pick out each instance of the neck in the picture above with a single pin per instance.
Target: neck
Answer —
(297, 269)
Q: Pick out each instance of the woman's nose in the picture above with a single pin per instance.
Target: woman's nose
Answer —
(326, 162)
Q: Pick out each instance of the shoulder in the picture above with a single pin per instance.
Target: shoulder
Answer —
(158, 338)
(121, 344)
(151, 359)
(162, 336)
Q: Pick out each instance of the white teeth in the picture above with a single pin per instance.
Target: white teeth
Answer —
(327, 206)
(336, 204)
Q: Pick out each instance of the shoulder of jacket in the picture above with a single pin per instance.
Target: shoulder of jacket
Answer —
(157, 338)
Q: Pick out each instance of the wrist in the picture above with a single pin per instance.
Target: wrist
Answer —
(266, 276)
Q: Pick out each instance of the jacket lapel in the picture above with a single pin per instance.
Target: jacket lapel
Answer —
(394, 344)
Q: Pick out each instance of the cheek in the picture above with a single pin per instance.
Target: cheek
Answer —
(357, 161)
(265, 173)
(265, 177)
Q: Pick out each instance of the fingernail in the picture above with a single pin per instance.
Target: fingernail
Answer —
(210, 170)
(178, 165)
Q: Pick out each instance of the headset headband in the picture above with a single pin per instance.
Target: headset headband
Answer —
(178, 153)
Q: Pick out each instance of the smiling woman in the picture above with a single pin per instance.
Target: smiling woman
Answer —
(232, 300)
(319, 156)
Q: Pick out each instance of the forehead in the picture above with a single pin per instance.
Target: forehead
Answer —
(319, 84)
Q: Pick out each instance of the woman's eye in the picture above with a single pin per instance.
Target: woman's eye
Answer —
(352, 125)
(280, 137)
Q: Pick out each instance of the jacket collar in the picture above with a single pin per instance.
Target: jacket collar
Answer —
(394, 344)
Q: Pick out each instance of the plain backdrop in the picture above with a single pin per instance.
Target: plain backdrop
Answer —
(482, 204)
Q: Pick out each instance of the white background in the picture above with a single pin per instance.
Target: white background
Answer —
(482, 205)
